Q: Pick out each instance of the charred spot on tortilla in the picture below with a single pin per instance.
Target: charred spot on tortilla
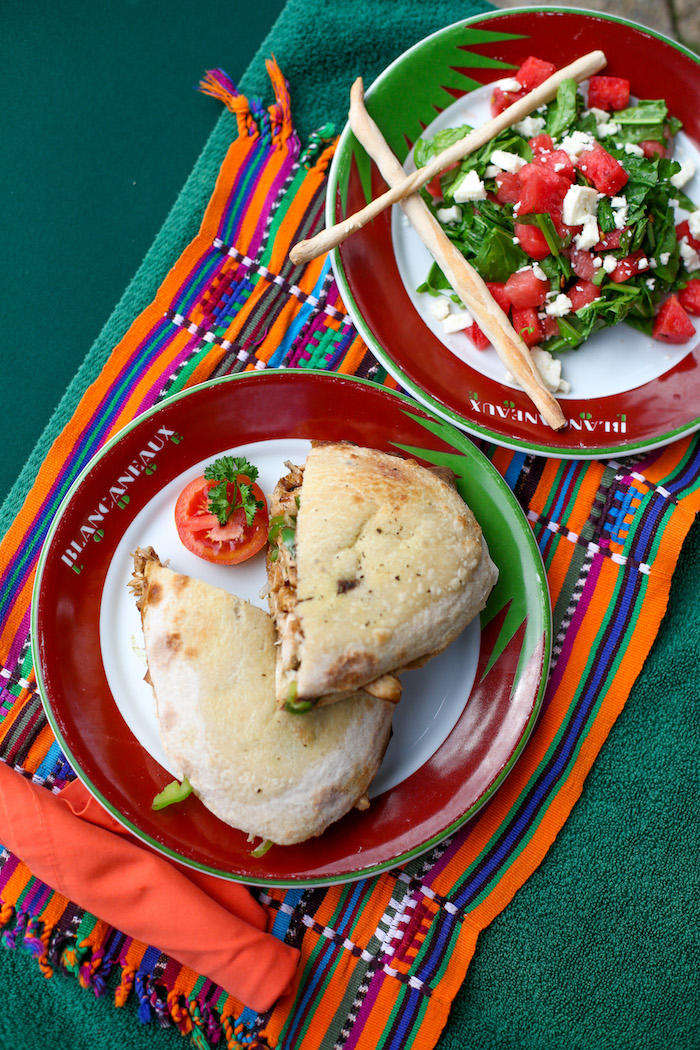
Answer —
(387, 567)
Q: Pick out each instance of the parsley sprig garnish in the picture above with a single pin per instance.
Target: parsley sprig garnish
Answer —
(230, 494)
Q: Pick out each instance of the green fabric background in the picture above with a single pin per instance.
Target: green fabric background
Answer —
(101, 129)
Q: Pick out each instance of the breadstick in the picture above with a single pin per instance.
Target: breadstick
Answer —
(331, 237)
(463, 278)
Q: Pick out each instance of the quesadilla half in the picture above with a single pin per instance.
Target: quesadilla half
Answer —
(375, 565)
(211, 664)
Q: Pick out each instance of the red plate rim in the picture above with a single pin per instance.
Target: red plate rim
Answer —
(83, 714)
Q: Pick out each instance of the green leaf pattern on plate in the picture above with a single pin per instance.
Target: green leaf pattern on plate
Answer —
(427, 76)
(511, 591)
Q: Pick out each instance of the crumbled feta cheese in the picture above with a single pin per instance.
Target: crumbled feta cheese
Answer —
(589, 235)
(575, 143)
(457, 322)
(510, 84)
(491, 171)
(447, 215)
(619, 207)
(539, 272)
(684, 175)
(579, 202)
(471, 188)
(642, 263)
(559, 307)
(529, 126)
(597, 263)
(439, 307)
(609, 263)
(664, 257)
(515, 240)
(549, 368)
(507, 161)
(601, 115)
(691, 259)
(633, 149)
(694, 224)
(608, 128)
(651, 283)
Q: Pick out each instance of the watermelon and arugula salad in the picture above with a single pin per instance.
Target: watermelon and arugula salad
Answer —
(570, 216)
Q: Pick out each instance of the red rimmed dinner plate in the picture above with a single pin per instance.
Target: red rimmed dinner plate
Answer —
(628, 393)
(463, 719)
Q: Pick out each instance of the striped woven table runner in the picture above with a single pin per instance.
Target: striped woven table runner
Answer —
(382, 958)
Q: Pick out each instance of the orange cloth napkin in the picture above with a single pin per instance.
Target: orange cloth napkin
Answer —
(211, 925)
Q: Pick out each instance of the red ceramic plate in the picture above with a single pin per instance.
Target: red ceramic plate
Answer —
(464, 718)
(628, 393)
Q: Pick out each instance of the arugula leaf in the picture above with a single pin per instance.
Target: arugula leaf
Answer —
(545, 223)
(226, 470)
(563, 110)
(498, 257)
(425, 149)
(437, 284)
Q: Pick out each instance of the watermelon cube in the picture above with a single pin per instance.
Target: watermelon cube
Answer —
(653, 148)
(689, 297)
(630, 266)
(583, 293)
(582, 263)
(508, 184)
(610, 241)
(557, 161)
(526, 322)
(501, 99)
(533, 72)
(477, 337)
(606, 174)
(608, 92)
(672, 324)
(532, 240)
(525, 288)
(498, 291)
(541, 143)
(550, 327)
(683, 230)
(543, 191)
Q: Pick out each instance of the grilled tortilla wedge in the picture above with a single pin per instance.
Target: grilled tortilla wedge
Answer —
(211, 664)
(375, 565)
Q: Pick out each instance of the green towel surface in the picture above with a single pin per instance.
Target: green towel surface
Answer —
(600, 947)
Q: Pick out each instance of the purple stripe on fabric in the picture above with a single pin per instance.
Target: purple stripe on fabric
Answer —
(582, 605)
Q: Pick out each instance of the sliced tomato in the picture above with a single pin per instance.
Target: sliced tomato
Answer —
(202, 533)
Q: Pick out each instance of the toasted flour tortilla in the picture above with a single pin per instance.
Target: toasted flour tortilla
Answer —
(211, 663)
(384, 567)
